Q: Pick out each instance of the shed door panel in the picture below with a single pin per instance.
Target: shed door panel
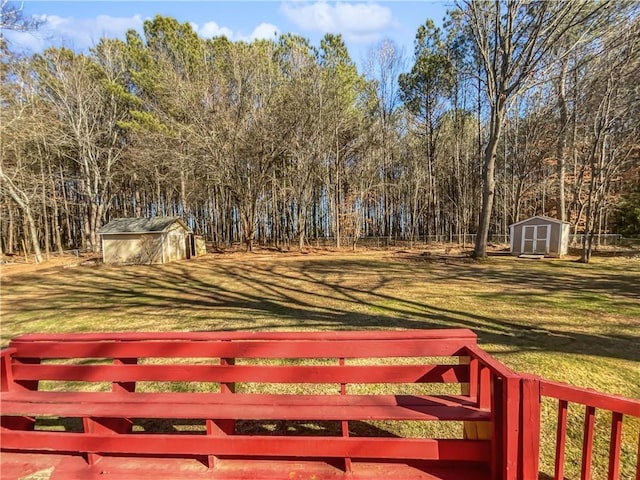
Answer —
(541, 241)
(528, 238)
(535, 238)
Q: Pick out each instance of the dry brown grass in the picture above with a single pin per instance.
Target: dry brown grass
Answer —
(557, 318)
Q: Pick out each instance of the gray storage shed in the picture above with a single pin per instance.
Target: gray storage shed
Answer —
(540, 235)
(145, 240)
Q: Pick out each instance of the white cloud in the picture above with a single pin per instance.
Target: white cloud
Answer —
(265, 31)
(212, 29)
(83, 33)
(360, 22)
(77, 33)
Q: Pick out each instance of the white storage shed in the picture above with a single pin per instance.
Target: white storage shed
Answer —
(146, 240)
(540, 235)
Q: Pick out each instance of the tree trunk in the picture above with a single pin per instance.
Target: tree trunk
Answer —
(45, 220)
(248, 230)
(489, 179)
(302, 221)
(337, 187)
(563, 123)
(94, 223)
(56, 213)
(33, 234)
(10, 240)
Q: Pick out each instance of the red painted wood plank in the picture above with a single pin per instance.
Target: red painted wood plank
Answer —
(474, 375)
(408, 401)
(246, 412)
(457, 333)
(497, 430)
(27, 385)
(485, 359)
(345, 423)
(638, 460)
(68, 467)
(614, 447)
(227, 387)
(511, 428)
(124, 386)
(603, 401)
(587, 443)
(179, 444)
(484, 388)
(246, 373)
(561, 439)
(240, 349)
(530, 428)
(101, 426)
(6, 373)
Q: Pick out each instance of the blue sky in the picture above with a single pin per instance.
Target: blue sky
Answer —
(80, 24)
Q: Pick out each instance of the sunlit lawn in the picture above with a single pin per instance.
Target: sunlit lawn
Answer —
(556, 318)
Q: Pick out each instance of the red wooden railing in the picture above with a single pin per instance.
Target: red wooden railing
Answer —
(534, 389)
(513, 400)
(497, 388)
(618, 406)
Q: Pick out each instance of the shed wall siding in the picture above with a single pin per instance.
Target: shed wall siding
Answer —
(201, 246)
(558, 238)
(556, 232)
(566, 232)
(175, 243)
(132, 249)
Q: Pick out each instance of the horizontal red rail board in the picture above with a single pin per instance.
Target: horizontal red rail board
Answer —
(240, 349)
(245, 373)
(614, 403)
(40, 397)
(243, 412)
(154, 468)
(446, 334)
(248, 407)
(355, 447)
(495, 366)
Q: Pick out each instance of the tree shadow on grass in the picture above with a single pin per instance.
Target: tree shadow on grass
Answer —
(331, 293)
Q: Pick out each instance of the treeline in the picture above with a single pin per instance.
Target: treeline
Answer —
(511, 109)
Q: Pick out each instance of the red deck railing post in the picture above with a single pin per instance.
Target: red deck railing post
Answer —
(561, 439)
(614, 446)
(638, 460)
(511, 427)
(124, 386)
(484, 388)
(344, 423)
(587, 442)
(497, 420)
(221, 427)
(474, 375)
(6, 373)
(530, 428)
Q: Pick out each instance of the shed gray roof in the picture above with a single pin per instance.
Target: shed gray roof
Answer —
(140, 225)
(541, 217)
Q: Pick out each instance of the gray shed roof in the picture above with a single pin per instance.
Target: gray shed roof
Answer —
(140, 225)
(541, 217)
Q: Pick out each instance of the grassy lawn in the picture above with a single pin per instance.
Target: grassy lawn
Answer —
(556, 318)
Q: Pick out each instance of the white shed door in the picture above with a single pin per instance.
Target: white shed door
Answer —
(536, 238)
